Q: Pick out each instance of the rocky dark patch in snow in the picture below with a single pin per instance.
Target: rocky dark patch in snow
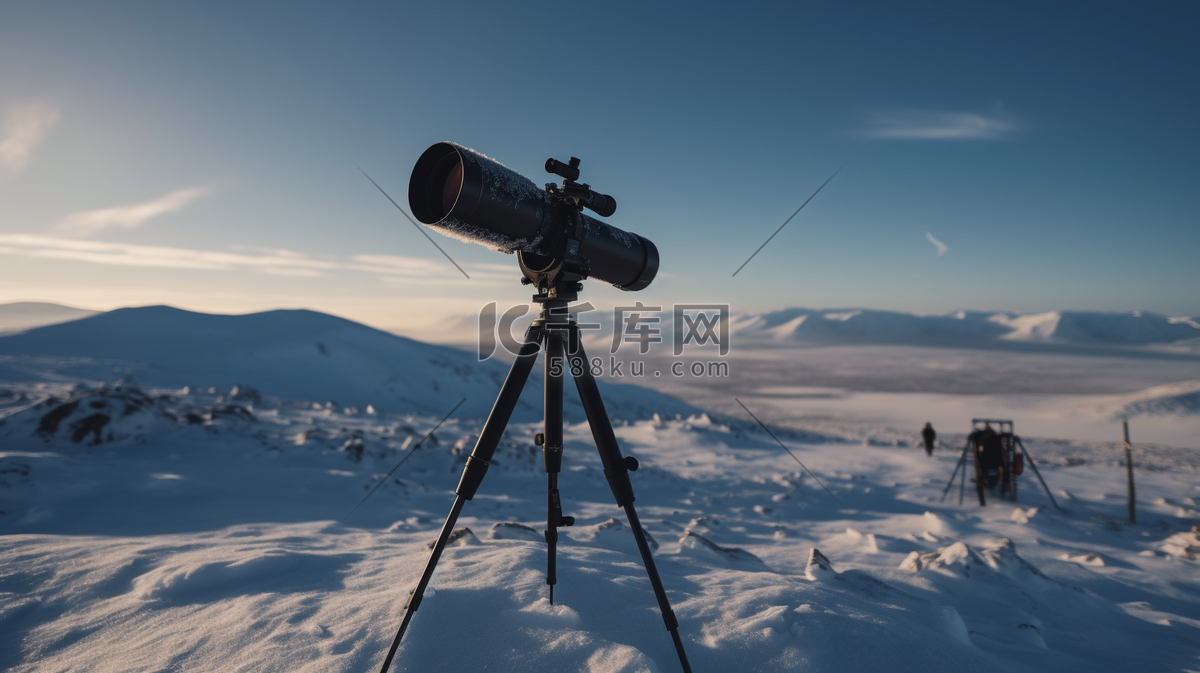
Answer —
(695, 542)
(92, 415)
(511, 530)
(818, 567)
(458, 537)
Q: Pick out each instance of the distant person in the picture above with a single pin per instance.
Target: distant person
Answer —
(930, 437)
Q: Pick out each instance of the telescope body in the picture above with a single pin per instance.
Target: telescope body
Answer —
(474, 198)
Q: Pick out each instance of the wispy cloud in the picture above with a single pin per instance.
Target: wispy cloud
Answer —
(933, 125)
(941, 247)
(129, 217)
(23, 127)
(391, 268)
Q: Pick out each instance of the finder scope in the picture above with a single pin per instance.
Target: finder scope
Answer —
(472, 197)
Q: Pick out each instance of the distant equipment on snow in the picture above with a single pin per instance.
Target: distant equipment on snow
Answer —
(998, 457)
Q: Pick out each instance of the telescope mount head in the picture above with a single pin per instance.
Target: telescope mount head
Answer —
(559, 278)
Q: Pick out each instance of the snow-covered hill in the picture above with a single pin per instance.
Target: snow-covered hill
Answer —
(1133, 328)
(864, 326)
(1182, 399)
(857, 326)
(297, 355)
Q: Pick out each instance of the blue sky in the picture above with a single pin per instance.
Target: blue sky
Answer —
(205, 155)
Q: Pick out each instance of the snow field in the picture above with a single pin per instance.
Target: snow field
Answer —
(227, 545)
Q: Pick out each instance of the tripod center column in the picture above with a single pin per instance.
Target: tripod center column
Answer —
(554, 320)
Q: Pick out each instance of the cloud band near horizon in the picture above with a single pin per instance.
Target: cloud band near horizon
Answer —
(130, 217)
(391, 268)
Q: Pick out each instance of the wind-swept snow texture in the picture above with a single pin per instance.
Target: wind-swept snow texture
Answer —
(196, 516)
(150, 530)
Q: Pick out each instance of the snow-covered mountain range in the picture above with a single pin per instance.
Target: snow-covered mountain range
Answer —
(1131, 328)
(292, 354)
(819, 326)
(850, 326)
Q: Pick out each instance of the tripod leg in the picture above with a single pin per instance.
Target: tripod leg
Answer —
(953, 474)
(616, 470)
(1010, 470)
(474, 471)
(552, 450)
(962, 484)
(979, 477)
(1038, 474)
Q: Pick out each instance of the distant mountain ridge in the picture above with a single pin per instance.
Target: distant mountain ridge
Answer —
(807, 325)
(857, 326)
(867, 326)
(290, 354)
(24, 315)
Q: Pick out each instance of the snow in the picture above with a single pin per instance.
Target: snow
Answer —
(1034, 327)
(292, 354)
(227, 546)
(1065, 332)
(884, 394)
(1091, 328)
(211, 530)
(1174, 398)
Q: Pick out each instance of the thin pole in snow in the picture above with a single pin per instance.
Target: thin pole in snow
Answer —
(1129, 473)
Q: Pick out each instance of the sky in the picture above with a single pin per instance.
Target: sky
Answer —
(1022, 156)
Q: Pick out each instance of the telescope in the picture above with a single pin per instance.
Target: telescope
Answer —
(474, 198)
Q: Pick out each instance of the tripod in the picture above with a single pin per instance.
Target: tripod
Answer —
(555, 331)
(1009, 444)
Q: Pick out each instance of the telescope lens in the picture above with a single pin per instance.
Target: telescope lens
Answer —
(474, 198)
(445, 182)
(451, 187)
(437, 183)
